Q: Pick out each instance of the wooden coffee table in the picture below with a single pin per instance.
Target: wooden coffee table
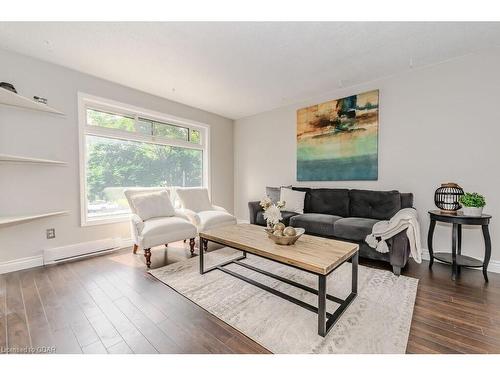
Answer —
(316, 255)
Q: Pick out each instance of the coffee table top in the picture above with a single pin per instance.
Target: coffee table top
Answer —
(310, 253)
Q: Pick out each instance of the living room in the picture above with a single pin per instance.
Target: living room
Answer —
(311, 186)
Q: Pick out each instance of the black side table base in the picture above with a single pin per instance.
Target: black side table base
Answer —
(455, 258)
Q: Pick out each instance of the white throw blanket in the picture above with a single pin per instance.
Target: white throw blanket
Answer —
(403, 219)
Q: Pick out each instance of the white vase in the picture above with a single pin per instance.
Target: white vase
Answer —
(472, 211)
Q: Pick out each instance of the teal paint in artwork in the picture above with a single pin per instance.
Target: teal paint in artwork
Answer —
(338, 140)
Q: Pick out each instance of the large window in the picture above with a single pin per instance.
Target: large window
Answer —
(124, 147)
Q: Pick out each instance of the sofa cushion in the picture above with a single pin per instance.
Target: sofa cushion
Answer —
(158, 231)
(328, 201)
(319, 224)
(381, 205)
(293, 199)
(353, 228)
(306, 198)
(155, 204)
(214, 219)
(286, 215)
(406, 200)
(194, 199)
(273, 193)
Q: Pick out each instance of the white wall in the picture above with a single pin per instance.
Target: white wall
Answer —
(27, 189)
(437, 124)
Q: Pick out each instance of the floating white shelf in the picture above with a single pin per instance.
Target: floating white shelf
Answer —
(5, 220)
(10, 98)
(4, 158)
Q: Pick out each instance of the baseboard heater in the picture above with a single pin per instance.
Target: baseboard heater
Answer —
(81, 250)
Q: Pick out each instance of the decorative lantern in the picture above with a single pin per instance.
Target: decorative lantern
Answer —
(446, 197)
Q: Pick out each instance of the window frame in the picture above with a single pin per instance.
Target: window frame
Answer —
(86, 101)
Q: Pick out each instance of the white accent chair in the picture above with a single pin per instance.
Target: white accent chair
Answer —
(155, 221)
(196, 205)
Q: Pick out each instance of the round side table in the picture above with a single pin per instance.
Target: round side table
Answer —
(455, 258)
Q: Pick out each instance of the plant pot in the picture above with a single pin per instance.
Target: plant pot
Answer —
(472, 211)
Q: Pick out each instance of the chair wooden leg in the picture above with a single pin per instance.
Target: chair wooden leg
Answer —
(147, 255)
(135, 249)
(184, 241)
(191, 245)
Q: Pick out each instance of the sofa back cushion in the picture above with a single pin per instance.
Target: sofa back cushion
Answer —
(130, 193)
(307, 196)
(328, 201)
(380, 205)
(151, 205)
(274, 193)
(194, 199)
(406, 200)
(293, 199)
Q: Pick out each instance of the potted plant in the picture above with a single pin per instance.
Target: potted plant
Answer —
(472, 204)
(272, 212)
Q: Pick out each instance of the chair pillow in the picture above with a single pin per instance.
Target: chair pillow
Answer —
(151, 205)
(294, 200)
(194, 199)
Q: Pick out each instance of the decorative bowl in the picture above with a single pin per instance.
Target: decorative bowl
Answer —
(287, 240)
(269, 230)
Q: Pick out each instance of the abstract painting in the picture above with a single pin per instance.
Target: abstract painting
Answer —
(338, 140)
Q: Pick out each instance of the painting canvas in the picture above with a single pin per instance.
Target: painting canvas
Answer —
(338, 140)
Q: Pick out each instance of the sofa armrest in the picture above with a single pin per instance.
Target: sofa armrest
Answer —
(399, 250)
(254, 208)
(137, 225)
(189, 215)
(218, 208)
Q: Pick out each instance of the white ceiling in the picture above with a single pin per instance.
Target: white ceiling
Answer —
(240, 69)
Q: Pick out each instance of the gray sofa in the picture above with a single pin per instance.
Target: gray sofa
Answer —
(348, 215)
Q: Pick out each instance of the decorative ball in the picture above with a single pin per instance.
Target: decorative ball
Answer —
(446, 197)
(279, 226)
(278, 233)
(289, 231)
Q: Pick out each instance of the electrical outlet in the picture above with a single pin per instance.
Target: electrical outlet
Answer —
(51, 233)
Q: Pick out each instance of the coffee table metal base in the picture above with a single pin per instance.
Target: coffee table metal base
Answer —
(326, 320)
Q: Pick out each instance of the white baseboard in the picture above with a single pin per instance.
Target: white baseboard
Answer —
(73, 251)
(77, 250)
(126, 242)
(21, 264)
(242, 221)
(494, 265)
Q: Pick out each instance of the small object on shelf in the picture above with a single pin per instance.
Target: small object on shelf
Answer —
(472, 204)
(39, 99)
(447, 197)
(287, 240)
(11, 98)
(455, 258)
(8, 86)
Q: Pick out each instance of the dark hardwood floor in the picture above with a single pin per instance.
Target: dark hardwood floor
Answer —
(109, 304)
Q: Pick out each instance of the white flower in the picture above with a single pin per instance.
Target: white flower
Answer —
(273, 215)
(265, 203)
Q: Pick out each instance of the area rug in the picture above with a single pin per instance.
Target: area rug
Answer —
(377, 321)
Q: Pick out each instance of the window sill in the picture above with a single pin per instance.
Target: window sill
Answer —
(104, 221)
